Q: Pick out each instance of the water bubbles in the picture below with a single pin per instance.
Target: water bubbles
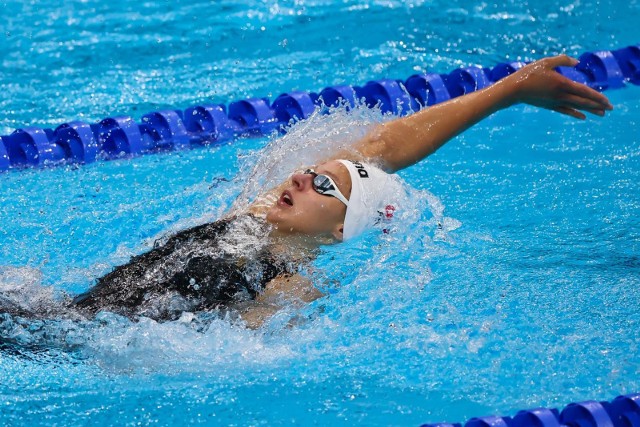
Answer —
(193, 284)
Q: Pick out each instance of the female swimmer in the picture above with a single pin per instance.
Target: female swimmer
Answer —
(248, 261)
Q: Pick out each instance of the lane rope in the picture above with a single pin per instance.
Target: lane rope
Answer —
(118, 136)
(623, 411)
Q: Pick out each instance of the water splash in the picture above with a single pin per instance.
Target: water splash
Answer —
(305, 143)
(354, 276)
(22, 292)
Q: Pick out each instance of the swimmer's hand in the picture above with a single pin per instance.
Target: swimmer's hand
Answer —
(540, 85)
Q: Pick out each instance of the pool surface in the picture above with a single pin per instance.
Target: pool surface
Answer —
(512, 281)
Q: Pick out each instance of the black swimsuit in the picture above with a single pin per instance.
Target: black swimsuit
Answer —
(197, 269)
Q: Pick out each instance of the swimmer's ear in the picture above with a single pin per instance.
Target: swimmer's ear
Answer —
(337, 232)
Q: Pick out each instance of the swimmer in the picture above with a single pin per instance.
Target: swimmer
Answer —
(248, 261)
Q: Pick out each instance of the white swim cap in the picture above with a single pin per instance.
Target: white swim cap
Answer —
(374, 198)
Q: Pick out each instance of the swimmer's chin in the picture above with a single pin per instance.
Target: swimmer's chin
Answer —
(272, 217)
(277, 220)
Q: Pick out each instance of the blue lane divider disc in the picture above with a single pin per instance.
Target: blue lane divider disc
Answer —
(602, 70)
(32, 146)
(253, 115)
(466, 80)
(504, 69)
(629, 60)
(427, 89)
(586, 414)
(77, 141)
(389, 94)
(209, 123)
(294, 105)
(491, 421)
(119, 135)
(625, 411)
(539, 417)
(334, 94)
(165, 128)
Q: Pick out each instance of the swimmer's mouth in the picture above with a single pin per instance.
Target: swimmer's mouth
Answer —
(285, 199)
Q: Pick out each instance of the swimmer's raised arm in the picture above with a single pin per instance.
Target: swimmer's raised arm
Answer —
(402, 142)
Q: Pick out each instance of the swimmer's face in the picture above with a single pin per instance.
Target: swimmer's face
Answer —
(301, 210)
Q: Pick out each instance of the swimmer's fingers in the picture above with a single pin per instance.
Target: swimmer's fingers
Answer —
(588, 94)
(560, 61)
(570, 112)
(585, 104)
(573, 112)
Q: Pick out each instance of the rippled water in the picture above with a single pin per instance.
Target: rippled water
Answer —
(511, 283)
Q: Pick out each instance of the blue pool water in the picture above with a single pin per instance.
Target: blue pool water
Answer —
(513, 282)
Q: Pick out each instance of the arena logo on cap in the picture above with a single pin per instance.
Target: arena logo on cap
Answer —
(362, 172)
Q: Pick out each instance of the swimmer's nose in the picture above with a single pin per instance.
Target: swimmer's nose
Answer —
(302, 181)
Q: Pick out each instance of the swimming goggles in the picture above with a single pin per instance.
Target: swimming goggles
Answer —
(323, 184)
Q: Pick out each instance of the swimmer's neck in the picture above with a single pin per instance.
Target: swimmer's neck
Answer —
(303, 241)
(292, 246)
